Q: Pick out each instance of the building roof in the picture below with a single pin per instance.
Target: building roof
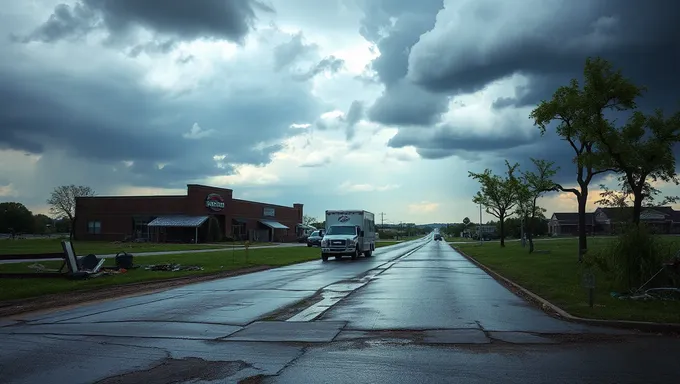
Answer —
(571, 217)
(178, 221)
(626, 213)
(273, 224)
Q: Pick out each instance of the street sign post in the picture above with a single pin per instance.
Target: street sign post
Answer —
(589, 283)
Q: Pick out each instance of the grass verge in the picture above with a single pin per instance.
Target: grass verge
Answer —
(212, 263)
(557, 277)
(25, 246)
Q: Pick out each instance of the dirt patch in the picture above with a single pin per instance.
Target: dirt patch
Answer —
(180, 371)
(66, 299)
(286, 313)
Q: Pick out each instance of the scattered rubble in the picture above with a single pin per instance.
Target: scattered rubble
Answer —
(170, 267)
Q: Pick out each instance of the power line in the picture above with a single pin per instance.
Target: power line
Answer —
(382, 219)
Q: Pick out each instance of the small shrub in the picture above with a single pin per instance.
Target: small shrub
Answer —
(633, 258)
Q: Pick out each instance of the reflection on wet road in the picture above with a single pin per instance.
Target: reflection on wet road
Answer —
(415, 312)
(437, 288)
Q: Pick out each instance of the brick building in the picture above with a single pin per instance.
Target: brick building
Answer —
(204, 214)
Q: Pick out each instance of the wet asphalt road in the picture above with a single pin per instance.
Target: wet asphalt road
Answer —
(415, 312)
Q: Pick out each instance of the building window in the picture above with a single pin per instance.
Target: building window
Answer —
(94, 227)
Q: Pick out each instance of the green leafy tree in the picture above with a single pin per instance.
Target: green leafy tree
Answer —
(642, 150)
(62, 202)
(454, 230)
(42, 223)
(15, 218)
(318, 224)
(577, 111)
(498, 194)
(623, 198)
(533, 184)
(308, 220)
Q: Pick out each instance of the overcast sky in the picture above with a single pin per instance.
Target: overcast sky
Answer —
(382, 105)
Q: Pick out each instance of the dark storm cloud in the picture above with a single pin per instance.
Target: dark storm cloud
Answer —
(185, 20)
(549, 49)
(110, 119)
(642, 40)
(404, 104)
(445, 141)
(413, 18)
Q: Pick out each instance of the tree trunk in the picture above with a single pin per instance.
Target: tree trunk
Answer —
(582, 239)
(530, 234)
(502, 224)
(637, 206)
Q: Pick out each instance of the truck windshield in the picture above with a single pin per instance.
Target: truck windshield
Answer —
(342, 230)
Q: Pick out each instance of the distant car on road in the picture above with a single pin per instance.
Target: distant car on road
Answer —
(315, 239)
(438, 236)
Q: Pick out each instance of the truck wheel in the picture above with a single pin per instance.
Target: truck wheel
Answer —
(324, 257)
(356, 254)
(368, 254)
(309, 245)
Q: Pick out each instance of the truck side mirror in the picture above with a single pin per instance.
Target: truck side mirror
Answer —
(361, 233)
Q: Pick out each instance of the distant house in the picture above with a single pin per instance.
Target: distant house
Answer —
(487, 231)
(609, 220)
(566, 223)
(661, 219)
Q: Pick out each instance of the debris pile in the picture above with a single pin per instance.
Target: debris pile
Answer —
(170, 267)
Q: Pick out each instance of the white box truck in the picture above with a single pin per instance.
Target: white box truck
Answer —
(348, 233)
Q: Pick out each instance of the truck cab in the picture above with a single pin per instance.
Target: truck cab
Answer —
(348, 233)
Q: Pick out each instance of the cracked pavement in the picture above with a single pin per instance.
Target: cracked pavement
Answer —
(414, 312)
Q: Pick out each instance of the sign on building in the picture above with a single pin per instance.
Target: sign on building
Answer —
(269, 212)
(214, 202)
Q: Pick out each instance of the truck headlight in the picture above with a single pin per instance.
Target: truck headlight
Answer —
(324, 242)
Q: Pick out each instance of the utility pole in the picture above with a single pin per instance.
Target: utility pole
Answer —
(382, 220)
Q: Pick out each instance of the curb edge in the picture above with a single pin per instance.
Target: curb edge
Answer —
(644, 326)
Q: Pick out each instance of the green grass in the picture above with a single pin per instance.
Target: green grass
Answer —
(212, 262)
(24, 246)
(557, 277)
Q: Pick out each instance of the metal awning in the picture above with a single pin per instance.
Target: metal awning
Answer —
(273, 224)
(178, 221)
(239, 220)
